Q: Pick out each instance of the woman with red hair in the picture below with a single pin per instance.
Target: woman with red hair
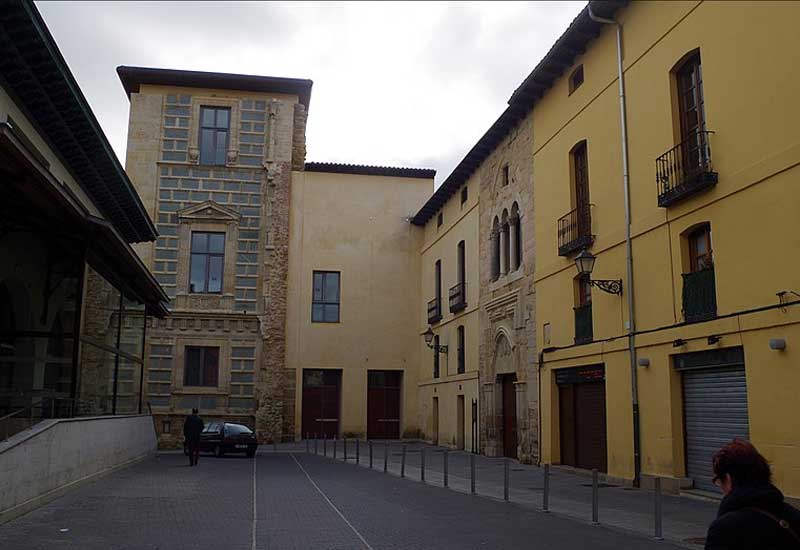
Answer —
(752, 515)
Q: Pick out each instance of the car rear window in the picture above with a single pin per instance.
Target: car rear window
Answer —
(237, 429)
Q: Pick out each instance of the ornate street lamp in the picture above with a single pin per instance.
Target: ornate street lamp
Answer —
(429, 341)
(584, 262)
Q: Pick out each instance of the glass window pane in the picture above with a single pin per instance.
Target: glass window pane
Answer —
(207, 117)
(318, 287)
(197, 280)
(317, 313)
(332, 287)
(191, 375)
(199, 242)
(210, 367)
(215, 274)
(207, 147)
(216, 243)
(222, 118)
(221, 146)
(331, 313)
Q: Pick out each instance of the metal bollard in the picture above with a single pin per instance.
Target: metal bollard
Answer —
(422, 465)
(369, 444)
(308, 445)
(657, 497)
(403, 463)
(316, 445)
(595, 497)
(472, 473)
(334, 448)
(546, 492)
(274, 444)
(386, 458)
(344, 443)
(446, 461)
(358, 451)
(324, 446)
(505, 480)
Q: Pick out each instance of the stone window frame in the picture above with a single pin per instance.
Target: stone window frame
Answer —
(224, 366)
(232, 156)
(211, 217)
(505, 219)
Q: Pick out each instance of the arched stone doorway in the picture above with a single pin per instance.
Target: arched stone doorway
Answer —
(500, 390)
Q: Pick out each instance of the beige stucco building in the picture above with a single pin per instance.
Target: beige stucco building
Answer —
(352, 344)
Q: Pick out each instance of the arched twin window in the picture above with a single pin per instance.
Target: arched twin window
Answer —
(506, 243)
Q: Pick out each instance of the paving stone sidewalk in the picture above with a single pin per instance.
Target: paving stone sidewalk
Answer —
(685, 518)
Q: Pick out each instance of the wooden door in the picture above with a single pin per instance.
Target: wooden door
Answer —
(509, 417)
(460, 428)
(566, 410)
(321, 402)
(590, 425)
(383, 404)
(692, 112)
(435, 421)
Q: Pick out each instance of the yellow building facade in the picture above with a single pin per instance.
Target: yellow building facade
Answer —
(449, 305)
(713, 166)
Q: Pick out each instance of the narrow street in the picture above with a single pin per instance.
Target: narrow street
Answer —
(289, 500)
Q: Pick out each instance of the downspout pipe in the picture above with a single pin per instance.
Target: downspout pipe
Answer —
(637, 459)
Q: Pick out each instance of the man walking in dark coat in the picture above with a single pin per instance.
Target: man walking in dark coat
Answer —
(192, 428)
(753, 514)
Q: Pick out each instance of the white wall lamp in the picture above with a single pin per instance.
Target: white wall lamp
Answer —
(584, 262)
(777, 344)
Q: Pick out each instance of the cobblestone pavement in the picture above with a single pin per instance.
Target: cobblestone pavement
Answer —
(289, 500)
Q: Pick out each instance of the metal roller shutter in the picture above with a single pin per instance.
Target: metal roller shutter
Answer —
(715, 412)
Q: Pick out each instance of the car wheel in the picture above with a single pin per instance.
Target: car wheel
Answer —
(251, 452)
(219, 451)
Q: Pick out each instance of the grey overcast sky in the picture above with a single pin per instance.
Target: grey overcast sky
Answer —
(408, 84)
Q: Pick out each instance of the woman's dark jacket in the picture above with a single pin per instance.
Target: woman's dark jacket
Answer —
(740, 525)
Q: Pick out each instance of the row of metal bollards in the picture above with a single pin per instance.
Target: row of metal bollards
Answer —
(657, 512)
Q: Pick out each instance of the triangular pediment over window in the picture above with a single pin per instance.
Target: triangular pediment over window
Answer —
(208, 211)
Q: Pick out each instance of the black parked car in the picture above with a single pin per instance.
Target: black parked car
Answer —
(226, 437)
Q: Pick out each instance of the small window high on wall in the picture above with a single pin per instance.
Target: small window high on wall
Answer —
(576, 79)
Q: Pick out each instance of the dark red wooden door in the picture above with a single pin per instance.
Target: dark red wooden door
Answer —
(566, 409)
(509, 417)
(590, 425)
(383, 404)
(321, 402)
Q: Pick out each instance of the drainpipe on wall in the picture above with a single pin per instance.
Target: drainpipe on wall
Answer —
(637, 461)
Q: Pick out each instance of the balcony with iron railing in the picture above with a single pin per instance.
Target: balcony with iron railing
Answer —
(685, 169)
(458, 297)
(434, 311)
(699, 296)
(583, 324)
(575, 230)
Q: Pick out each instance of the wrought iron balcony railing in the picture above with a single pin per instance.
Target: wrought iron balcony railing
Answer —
(685, 169)
(458, 297)
(575, 230)
(583, 324)
(699, 296)
(434, 311)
